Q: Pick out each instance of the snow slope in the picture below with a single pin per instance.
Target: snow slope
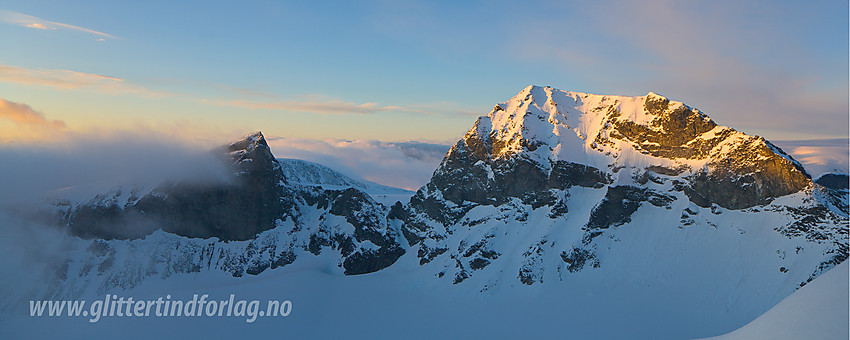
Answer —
(306, 173)
(817, 311)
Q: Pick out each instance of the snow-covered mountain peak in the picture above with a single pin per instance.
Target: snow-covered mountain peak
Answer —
(549, 182)
(545, 128)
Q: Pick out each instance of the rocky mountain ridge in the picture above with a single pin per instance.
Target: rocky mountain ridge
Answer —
(549, 186)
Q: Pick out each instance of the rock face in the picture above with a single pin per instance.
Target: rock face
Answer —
(563, 171)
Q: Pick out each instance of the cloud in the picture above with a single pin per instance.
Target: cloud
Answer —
(326, 107)
(32, 241)
(318, 106)
(78, 166)
(74, 80)
(25, 115)
(70, 80)
(407, 165)
(819, 156)
(36, 25)
(30, 21)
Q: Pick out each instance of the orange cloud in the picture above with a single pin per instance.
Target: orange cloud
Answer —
(25, 115)
(36, 25)
(318, 106)
(67, 79)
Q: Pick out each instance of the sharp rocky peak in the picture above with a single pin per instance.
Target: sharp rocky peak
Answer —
(251, 154)
(248, 144)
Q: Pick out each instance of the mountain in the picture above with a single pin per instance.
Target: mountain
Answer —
(251, 220)
(640, 199)
(551, 182)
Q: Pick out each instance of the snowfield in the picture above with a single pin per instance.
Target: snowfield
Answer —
(817, 311)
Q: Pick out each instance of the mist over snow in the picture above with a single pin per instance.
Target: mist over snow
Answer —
(406, 165)
(29, 249)
(76, 168)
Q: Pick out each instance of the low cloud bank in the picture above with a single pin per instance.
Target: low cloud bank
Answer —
(85, 165)
(407, 165)
(819, 156)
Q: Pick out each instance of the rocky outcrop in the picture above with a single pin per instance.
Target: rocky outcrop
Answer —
(751, 174)
(741, 171)
(619, 204)
(476, 170)
(670, 131)
(835, 181)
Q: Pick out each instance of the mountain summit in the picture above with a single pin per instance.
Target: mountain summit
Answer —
(549, 181)
(542, 132)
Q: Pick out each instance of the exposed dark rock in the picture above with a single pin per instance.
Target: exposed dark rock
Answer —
(478, 263)
(244, 205)
(526, 276)
(473, 171)
(577, 258)
(667, 135)
(834, 181)
(815, 223)
(427, 254)
(369, 261)
(460, 276)
(752, 174)
(665, 171)
(619, 204)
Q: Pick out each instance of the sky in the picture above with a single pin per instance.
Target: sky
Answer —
(402, 70)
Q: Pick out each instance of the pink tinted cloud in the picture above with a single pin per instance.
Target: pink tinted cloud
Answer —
(25, 115)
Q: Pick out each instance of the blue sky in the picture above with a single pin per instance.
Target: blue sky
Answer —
(395, 70)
